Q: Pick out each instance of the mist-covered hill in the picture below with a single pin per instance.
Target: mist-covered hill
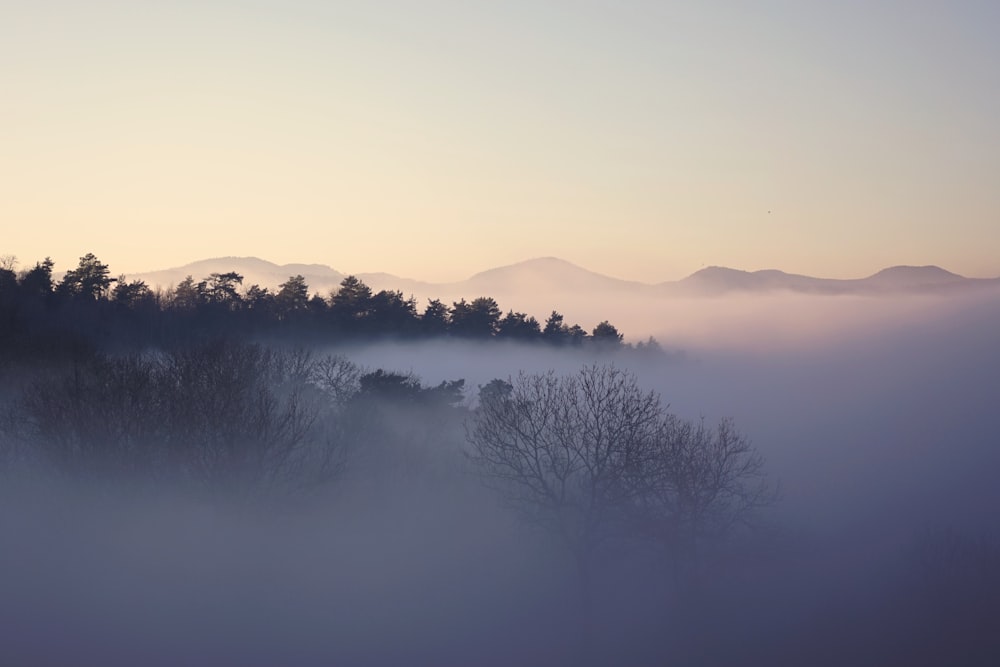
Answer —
(553, 276)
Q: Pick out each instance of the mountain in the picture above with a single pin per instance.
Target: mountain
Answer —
(914, 277)
(319, 277)
(717, 280)
(254, 271)
(550, 276)
(546, 274)
(720, 280)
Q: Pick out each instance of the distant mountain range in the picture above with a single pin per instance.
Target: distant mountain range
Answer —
(550, 275)
(896, 279)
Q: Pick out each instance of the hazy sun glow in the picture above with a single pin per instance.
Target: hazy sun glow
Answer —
(432, 140)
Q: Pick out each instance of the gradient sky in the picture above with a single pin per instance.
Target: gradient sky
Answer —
(434, 139)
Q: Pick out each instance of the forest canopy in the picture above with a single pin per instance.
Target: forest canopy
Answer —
(41, 313)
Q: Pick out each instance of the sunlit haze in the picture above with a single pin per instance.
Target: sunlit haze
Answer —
(499, 333)
(432, 140)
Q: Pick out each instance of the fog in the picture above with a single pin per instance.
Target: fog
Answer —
(751, 320)
(879, 418)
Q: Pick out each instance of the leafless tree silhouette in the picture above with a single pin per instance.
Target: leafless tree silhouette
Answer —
(223, 414)
(698, 483)
(591, 457)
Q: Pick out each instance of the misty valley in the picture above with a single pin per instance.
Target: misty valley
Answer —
(220, 474)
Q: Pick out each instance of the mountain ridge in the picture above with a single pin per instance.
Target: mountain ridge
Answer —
(553, 274)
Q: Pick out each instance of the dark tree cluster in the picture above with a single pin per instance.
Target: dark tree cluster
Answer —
(88, 308)
(222, 416)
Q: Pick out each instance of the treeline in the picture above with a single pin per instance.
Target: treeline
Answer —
(90, 307)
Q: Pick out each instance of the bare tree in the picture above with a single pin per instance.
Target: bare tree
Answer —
(336, 376)
(223, 414)
(560, 450)
(241, 413)
(592, 457)
(699, 483)
(101, 416)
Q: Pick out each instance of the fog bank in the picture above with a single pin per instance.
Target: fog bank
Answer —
(879, 418)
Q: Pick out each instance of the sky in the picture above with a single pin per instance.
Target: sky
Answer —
(435, 139)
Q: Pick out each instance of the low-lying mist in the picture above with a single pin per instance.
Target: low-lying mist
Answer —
(878, 418)
(754, 320)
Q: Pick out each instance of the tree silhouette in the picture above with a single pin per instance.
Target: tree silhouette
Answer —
(518, 326)
(292, 297)
(132, 295)
(224, 414)
(391, 312)
(185, 296)
(262, 304)
(435, 318)
(592, 458)
(221, 289)
(350, 304)
(576, 335)
(560, 450)
(37, 281)
(606, 334)
(699, 483)
(555, 330)
(90, 279)
(479, 319)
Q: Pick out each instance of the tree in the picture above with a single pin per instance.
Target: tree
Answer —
(576, 335)
(406, 388)
(229, 415)
(317, 305)
(698, 484)
(650, 347)
(8, 285)
(479, 319)
(555, 330)
(397, 426)
(238, 416)
(434, 320)
(605, 333)
(8, 278)
(518, 326)
(91, 279)
(103, 415)
(560, 450)
(292, 297)
(132, 294)
(351, 302)
(392, 313)
(337, 377)
(37, 281)
(592, 458)
(387, 385)
(259, 301)
(221, 289)
(185, 296)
